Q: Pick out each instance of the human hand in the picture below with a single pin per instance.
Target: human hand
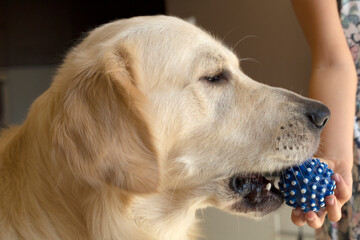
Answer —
(342, 194)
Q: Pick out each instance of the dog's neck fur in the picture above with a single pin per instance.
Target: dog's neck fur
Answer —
(48, 205)
(102, 212)
(103, 216)
(165, 217)
(25, 184)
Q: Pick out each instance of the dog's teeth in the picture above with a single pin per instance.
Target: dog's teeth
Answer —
(268, 186)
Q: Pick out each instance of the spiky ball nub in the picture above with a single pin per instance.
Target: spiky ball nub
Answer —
(307, 185)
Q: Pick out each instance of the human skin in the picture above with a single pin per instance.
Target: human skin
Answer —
(333, 82)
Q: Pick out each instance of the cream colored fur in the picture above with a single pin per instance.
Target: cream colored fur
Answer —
(131, 139)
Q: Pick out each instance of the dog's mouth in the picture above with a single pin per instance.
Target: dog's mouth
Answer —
(258, 193)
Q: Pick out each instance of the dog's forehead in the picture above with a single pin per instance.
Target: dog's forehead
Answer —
(215, 58)
(168, 48)
(170, 33)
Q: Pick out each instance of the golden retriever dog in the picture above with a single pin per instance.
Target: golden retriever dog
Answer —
(147, 120)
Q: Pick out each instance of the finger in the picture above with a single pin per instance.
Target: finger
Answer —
(333, 208)
(298, 217)
(315, 220)
(342, 191)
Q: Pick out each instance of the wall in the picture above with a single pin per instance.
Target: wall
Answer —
(23, 85)
(266, 34)
(268, 39)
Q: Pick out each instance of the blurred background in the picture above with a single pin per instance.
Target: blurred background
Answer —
(36, 34)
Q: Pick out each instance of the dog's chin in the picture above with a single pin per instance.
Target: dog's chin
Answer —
(257, 194)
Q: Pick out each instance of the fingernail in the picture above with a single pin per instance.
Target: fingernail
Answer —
(331, 201)
(309, 218)
(297, 212)
(336, 177)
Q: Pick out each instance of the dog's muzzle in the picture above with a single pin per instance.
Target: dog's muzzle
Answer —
(258, 193)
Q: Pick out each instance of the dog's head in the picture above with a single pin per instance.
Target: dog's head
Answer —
(216, 131)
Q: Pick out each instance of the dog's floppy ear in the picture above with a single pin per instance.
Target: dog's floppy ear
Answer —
(103, 127)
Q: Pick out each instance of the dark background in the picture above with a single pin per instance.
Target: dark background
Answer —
(38, 32)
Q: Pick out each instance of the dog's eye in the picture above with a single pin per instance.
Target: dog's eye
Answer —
(215, 78)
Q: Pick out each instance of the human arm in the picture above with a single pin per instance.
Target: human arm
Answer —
(333, 82)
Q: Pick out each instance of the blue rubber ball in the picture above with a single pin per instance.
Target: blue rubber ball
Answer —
(307, 185)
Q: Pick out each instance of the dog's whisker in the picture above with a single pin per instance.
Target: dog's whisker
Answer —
(296, 177)
(176, 184)
(307, 186)
(242, 39)
(320, 152)
(229, 32)
(311, 166)
(249, 60)
(302, 174)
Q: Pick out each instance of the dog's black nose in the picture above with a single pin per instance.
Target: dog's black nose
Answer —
(318, 114)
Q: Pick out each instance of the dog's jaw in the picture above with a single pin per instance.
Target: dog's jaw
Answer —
(167, 215)
(267, 205)
(257, 194)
